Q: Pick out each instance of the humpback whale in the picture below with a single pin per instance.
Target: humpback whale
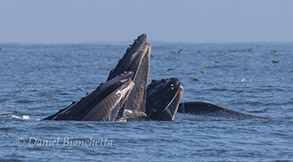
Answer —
(163, 97)
(103, 104)
(126, 96)
(207, 109)
(136, 59)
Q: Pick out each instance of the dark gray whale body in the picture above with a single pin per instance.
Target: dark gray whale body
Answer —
(207, 109)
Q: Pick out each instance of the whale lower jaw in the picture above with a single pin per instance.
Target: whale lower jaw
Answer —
(103, 104)
(168, 114)
(114, 101)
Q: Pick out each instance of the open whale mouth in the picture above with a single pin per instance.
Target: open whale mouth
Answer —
(136, 59)
(163, 97)
(126, 90)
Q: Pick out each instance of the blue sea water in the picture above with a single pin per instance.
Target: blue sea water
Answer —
(36, 80)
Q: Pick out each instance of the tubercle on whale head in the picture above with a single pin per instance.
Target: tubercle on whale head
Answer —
(142, 36)
(172, 83)
(136, 45)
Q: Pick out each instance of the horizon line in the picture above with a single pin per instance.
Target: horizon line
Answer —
(154, 41)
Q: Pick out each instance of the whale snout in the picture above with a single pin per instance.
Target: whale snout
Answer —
(173, 83)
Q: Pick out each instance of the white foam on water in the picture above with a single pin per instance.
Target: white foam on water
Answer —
(12, 116)
(243, 80)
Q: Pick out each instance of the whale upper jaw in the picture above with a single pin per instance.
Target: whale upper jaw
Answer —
(103, 104)
(163, 97)
(130, 60)
(136, 59)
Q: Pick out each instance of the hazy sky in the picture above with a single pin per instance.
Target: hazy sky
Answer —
(84, 21)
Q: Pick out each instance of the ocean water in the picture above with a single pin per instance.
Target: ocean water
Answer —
(36, 80)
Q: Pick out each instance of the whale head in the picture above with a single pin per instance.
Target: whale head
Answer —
(163, 97)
